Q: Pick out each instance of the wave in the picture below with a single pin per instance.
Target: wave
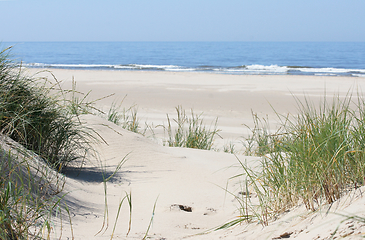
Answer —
(296, 70)
(244, 69)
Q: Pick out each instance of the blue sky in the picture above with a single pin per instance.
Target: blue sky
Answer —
(182, 20)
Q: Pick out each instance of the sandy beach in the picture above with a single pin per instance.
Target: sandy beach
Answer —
(191, 189)
(231, 98)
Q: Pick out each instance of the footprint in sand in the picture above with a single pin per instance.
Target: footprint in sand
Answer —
(181, 207)
(210, 211)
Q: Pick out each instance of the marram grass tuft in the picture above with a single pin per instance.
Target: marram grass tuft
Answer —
(313, 158)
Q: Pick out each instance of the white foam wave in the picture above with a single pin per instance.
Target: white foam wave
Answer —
(358, 75)
(69, 65)
(258, 69)
(129, 66)
(181, 69)
(275, 69)
(271, 68)
(147, 66)
(325, 74)
(331, 70)
(250, 69)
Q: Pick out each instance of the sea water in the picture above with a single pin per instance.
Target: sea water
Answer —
(296, 58)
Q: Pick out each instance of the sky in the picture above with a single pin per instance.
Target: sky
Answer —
(182, 20)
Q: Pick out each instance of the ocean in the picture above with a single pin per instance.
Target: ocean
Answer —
(295, 58)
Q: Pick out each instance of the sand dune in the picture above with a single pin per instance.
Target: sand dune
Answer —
(188, 185)
(153, 173)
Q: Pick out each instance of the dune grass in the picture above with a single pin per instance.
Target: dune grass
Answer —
(125, 117)
(45, 133)
(28, 194)
(42, 118)
(190, 132)
(229, 148)
(40, 134)
(33, 114)
(312, 159)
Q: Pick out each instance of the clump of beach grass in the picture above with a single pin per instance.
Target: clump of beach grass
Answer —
(230, 148)
(28, 188)
(34, 114)
(190, 132)
(313, 158)
(127, 118)
(42, 133)
(261, 140)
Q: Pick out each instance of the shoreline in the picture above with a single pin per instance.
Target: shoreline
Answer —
(233, 73)
(289, 70)
(200, 81)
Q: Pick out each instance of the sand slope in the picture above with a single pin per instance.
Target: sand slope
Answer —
(188, 177)
(152, 173)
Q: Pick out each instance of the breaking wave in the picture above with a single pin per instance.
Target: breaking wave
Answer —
(243, 70)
